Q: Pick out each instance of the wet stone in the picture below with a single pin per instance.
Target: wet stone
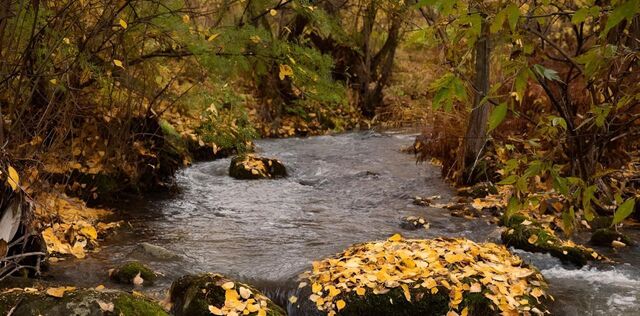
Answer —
(155, 252)
(414, 223)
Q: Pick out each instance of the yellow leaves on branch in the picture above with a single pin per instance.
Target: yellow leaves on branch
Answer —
(285, 71)
(425, 267)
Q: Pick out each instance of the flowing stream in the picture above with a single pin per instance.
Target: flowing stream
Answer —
(342, 189)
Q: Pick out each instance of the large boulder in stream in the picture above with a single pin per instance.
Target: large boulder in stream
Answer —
(250, 167)
(421, 277)
(213, 294)
(65, 301)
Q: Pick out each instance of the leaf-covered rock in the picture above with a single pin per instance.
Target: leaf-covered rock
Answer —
(82, 302)
(528, 234)
(250, 167)
(421, 277)
(213, 294)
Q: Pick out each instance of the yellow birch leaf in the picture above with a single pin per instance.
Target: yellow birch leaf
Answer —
(285, 71)
(405, 291)
(396, 237)
(293, 299)
(89, 232)
(212, 37)
(273, 12)
(123, 23)
(14, 178)
(340, 304)
(118, 63)
(228, 285)
(215, 311)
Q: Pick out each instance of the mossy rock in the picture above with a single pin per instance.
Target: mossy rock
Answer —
(394, 303)
(128, 271)
(534, 237)
(249, 167)
(191, 295)
(84, 302)
(605, 236)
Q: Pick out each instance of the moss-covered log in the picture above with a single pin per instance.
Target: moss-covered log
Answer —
(204, 294)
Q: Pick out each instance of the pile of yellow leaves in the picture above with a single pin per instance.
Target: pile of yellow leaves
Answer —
(255, 165)
(458, 266)
(239, 300)
(70, 227)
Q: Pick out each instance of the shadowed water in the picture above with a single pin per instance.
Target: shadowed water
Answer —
(342, 190)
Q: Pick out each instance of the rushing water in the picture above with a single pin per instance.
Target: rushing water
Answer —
(342, 190)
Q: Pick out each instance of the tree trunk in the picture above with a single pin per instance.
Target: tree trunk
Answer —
(476, 135)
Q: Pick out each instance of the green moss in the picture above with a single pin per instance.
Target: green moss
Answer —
(134, 306)
(192, 294)
(129, 270)
(78, 302)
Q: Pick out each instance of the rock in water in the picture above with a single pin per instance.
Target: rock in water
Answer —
(156, 252)
(607, 237)
(133, 272)
(81, 302)
(250, 167)
(400, 277)
(414, 223)
(213, 294)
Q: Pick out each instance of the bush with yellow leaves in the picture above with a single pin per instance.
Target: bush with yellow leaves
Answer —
(422, 277)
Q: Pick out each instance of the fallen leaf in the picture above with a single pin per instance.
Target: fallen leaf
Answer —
(340, 304)
(13, 179)
(105, 307)
(138, 280)
(59, 291)
(215, 311)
